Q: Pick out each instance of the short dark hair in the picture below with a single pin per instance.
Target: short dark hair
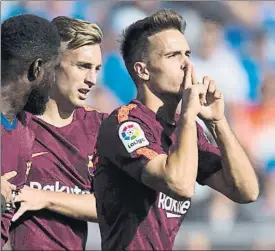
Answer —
(24, 39)
(134, 45)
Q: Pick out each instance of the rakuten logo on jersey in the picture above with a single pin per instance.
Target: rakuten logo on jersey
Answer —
(176, 208)
(57, 188)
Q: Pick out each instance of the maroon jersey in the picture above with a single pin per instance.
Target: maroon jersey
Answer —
(16, 151)
(61, 162)
(133, 216)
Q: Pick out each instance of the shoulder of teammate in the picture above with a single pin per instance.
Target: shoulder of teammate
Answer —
(26, 131)
(88, 112)
(24, 118)
(126, 134)
(127, 141)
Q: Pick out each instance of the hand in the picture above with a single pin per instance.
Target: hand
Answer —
(30, 200)
(193, 94)
(213, 107)
(7, 188)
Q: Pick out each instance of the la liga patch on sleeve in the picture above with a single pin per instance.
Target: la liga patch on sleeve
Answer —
(132, 136)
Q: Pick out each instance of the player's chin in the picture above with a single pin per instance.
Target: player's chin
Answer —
(78, 103)
(177, 92)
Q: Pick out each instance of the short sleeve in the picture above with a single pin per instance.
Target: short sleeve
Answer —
(129, 145)
(209, 157)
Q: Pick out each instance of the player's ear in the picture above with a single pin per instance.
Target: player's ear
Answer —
(142, 70)
(35, 71)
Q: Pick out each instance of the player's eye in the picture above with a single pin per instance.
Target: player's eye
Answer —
(84, 66)
(188, 54)
(80, 66)
(175, 54)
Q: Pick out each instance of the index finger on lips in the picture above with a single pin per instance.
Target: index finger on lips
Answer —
(188, 76)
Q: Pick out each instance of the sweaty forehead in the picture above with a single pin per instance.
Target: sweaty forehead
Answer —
(88, 54)
(168, 40)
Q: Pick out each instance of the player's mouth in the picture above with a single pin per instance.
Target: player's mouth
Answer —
(83, 93)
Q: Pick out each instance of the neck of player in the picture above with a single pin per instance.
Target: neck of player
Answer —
(57, 114)
(164, 107)
(12, 102)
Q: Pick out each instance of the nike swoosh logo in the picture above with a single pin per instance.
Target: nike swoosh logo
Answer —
(170, 215)
(38, 154)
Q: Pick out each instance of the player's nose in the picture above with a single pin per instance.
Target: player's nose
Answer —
(91, 78)
(185, 62)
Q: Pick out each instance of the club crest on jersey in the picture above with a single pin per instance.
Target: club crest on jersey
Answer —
(132, 136)
(90, 164)
(29, 165)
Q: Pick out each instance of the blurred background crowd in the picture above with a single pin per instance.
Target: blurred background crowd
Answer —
(233, 42)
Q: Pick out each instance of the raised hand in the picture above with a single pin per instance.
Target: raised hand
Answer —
(212, 109)
(30, 200)
(193, 94)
